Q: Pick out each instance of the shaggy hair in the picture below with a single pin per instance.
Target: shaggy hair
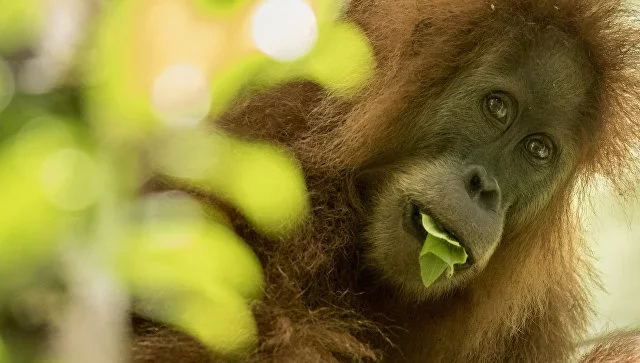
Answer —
(531, 303)
(622, 347)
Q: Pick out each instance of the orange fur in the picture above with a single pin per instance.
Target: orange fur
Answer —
(623, 347)
(531, 303)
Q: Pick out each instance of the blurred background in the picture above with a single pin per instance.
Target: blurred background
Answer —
(613, 230)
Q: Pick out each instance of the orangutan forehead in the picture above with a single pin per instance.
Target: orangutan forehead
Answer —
(554, 69)
(546, 70)
(556, 79)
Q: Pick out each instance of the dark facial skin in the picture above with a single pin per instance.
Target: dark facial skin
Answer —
(493, 147)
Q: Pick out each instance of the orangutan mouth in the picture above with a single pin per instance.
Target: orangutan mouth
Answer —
(413, 226)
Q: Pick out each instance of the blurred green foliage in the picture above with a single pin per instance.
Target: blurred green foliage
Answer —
(7, 85)
(261, 180)
(4, 358)
(120, 101)
(19, 23)
(220, 7)
(164, 266)
(72, 161)
(45, 176)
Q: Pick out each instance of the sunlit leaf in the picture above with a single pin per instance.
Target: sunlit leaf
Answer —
(70, 179)
(267, 186)
(220, 319)
(264, 182)
(119, 105)
(343, 61)
(330, 10)
(193, 255)
(197, 276)
(229, 81)
(39, 186)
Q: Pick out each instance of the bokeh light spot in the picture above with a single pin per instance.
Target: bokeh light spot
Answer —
(181, 95)
(284, 29)
(70, 179)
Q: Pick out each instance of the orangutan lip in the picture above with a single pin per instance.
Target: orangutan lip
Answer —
(413, 226)
(412, 223)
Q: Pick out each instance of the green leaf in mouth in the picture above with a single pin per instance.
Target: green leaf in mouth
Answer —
(440, 252)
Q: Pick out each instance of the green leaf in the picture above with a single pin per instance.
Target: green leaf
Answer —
(45, 177)
(223, 8)
(120, 109)
(7, 85)
(342, 61)
(263, 181)
(222, 319)
(197, 276)
(268, 187)
(440, 253)
(190, 255)
(20, 22)
(4, 355)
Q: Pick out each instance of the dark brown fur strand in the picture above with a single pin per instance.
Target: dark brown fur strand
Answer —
(531, 302)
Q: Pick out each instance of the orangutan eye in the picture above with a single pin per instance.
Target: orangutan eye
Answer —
(500, 107)
(497, 108)
(540, 148)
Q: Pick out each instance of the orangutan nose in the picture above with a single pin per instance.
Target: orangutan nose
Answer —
(482, 188)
